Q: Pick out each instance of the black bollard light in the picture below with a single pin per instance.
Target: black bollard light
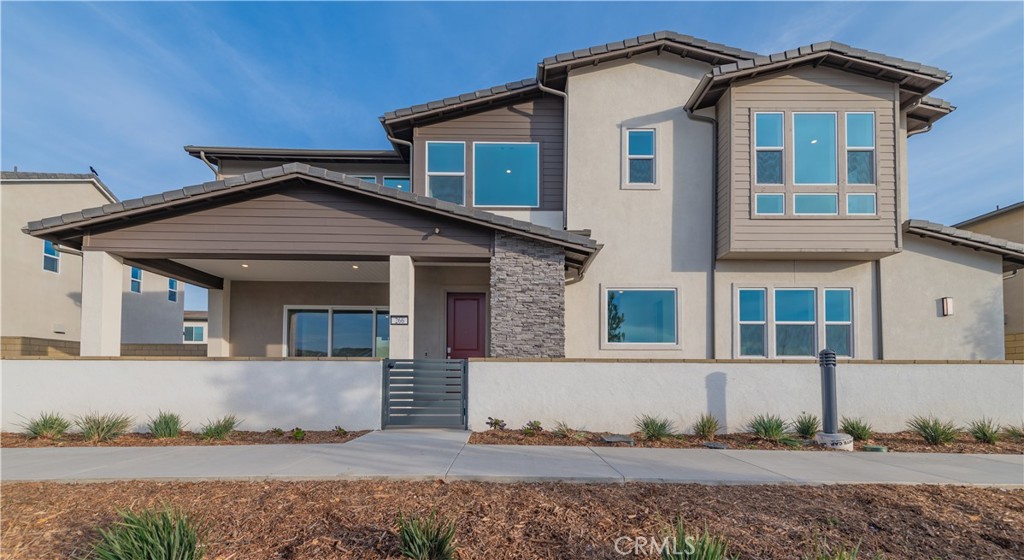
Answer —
(829, 415)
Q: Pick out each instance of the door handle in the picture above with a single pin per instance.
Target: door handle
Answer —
(449, 351)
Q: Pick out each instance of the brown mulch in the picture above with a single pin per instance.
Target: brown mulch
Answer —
(319, 520)
(12, 439)
(901, 441)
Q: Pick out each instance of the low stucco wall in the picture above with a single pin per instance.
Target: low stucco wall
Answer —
(312, 394)
(608, 396)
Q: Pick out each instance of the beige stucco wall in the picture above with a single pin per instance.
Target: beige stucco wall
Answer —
(257, 309)
(149, 317)
(1010, 226)
(653, 238)
(433, 283)
(913, 283)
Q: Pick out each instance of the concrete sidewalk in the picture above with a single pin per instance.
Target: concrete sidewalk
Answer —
(443, 454)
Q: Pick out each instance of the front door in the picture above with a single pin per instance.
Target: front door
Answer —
(467, 320)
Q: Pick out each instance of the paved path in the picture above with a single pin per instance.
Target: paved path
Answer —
(443, 454)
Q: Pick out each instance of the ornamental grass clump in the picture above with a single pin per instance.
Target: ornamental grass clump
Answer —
(768, 427)
(155, 534)
(165, 425)
(856, 428)
(48, 425)
(706, 427)
(426, 538)
(220, 428)
(654, 428)
(1016, 433)
(103, 427)
(699, 546)
(984, 430)
(807, 425)
(933, 430)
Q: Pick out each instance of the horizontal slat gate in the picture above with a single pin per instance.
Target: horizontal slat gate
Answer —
(425, 393)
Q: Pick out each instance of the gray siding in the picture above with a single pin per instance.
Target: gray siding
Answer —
(810, 89)
(299, 219)
(539, 120)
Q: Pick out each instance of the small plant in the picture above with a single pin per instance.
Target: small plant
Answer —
(856, 428)
(706, 427)
(426, 538)
(700, 546)
(806, 425)
(984, 430)
(49, 425)
(220, 428)
(823, 552)
(277, 431)
(495, 423)
(103, 427)
(298, 434)
(532, 428)
(933, 430)
(1016, 433)
(654, 428)
(562, 430)
(768, 427)
(162, 534)
(165, 425)
(339, 431)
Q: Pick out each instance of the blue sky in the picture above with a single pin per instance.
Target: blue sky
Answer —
(123, 86)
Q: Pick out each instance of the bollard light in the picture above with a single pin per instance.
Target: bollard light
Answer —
(830, 436)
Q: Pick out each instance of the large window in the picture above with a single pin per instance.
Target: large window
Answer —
(506, 174)
(640, 157)
(769, 147)
(338, 332)
(172, 289)
(753, 322)
(135, 285)
(51, 257)
(801, 322)
(860, 148)
(400, 183)
(795, 331)
(640, 316)
(839, 321)
(446, 171)
(814, 148)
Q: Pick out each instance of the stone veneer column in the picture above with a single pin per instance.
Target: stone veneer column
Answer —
(527, 298)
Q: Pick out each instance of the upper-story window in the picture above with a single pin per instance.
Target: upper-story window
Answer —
(446, 171)
(769, 148)
(860, 148)
(367, 178)
(814, 148)
(172, 289)
(135, 284)
(506, 174)
(641, 168)
(400, 183)
(51, 257)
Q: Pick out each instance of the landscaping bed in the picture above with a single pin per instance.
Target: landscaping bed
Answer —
(318, 520)
(901, 441)
(237, 437)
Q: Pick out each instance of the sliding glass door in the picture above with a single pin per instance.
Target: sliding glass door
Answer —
(337, 332)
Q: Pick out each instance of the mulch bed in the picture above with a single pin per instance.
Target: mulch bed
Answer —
(319, 520)
(900, 441)
(11, 439)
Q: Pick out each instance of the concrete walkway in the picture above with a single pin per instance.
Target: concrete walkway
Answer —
(443, 454)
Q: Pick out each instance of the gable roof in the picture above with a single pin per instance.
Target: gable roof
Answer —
(288, 155)
(992, 214)
(1012, 253)
(63, 177)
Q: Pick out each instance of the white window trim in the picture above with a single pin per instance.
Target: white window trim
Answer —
(506, 205)
(872, 149)
(376, 309)
(835, 143)
(132, 280)
(825, 322)
(781, 149)
(737, 350)
(386, 177)
(874, 199)
(426, 167)
(832, 195)
(603, 331)
(771, 324)
(367, 178)
(626, 183)
(776, 323)
(55, 257)
(193, 327)
(759, 195)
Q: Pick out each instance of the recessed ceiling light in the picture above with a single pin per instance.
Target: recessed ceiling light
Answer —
(355, 266)
(245, 266)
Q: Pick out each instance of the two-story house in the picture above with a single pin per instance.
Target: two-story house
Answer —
(657, 197)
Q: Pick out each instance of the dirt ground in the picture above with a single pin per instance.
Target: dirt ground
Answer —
(901, 441)
(318, 520)
(11, 439)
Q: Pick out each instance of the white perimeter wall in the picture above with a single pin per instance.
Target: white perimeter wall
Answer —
(608, 396)
(314, 395)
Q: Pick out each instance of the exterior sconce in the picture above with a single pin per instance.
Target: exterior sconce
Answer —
(947, 306)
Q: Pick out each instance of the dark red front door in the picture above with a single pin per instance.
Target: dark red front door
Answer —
(467, 320)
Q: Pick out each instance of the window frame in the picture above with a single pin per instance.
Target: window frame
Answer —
(132, 280)
(760, 194)
(627, 184)
(766, 339)
(814, 323)
(376, 309)
(835, 143)
(54, 258)
(184, 334)
(825, 322)
(510, 143)
(816, 194)
(874, 204)
(604, 344)
(366, 178)
(873, 149)
(172, 290)
(384, 180)
(429, 174)
(781, 149)
(820, 323)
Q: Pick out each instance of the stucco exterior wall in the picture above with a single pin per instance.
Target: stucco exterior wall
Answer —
(1009, 226)
(150, 317)
(912, 286)
(433, 283)
(653, 238)
(257, 309)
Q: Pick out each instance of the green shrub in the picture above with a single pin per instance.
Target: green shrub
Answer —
(984, 430)
(220, 428)
(495, 423)
(933, 430)
(48, 425)
(857, 428)
(103, 427)
(699, 546)
(426, 538)
(654, 428)
(277, 431)
(823, 552)
(532, 428)
(807, 425)
(1016, 433)
(562, 430)
(165, 425)
(339, 431)
(706, 427)
(162, 534)
(298, 434)
(768, 427)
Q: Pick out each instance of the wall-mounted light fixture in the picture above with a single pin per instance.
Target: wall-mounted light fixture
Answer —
(947, 306)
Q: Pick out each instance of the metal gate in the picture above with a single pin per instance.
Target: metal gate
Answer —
(424, 393)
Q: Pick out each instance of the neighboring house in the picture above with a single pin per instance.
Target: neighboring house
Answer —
(194, 330)
(658, 197)
(41, 294)
(1007, 223)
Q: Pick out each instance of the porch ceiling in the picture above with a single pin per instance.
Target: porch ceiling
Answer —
(292, 270)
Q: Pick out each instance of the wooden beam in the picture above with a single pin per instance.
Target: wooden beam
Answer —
(167, 267)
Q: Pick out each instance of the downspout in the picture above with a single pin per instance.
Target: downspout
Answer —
(565, 148)
(714, 222)
(408, 144)
(921, 131)
(216, 174)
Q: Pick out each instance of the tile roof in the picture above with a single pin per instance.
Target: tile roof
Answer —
(669, 36)
(512, 88)
(992, 214)
(41, 176)
(924, 228)
(832, 46)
